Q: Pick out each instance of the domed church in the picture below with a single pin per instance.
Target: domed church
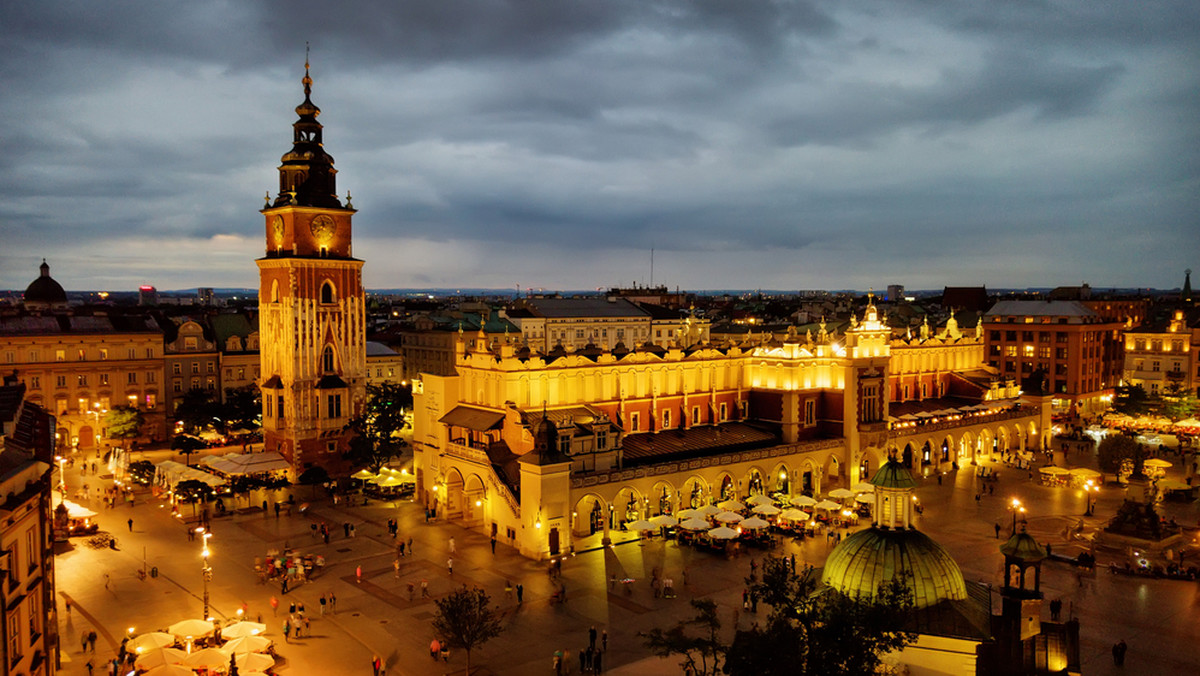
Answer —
(952, 618)
(44, 293)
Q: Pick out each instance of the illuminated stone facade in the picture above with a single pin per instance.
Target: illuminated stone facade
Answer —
(312, 321)
(658, 429)
(1164, 357)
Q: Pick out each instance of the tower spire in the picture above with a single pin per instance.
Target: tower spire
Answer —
(306, 174)
(307, 81)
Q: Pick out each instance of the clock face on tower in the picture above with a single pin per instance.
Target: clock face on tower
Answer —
(277, 230)
(323, 228)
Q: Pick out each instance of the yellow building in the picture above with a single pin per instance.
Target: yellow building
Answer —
(542, 450)
(1163, 356)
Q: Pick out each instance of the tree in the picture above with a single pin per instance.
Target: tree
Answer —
(187, 445)
(816, 630)
(197, 410)
(1132, 400)
(1179, 402)
(466, 619)
(242, 408)
(697, 651)
(314, 476)
(124, 422)
(1115, 450)
(375, 429)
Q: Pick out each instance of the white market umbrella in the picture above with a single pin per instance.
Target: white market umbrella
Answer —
(247, 644)
(157, 657)
(363, 475)
(865, 499)
(803, 501)
(695, 524)
(243, 628)
(794, 514)
(685, 514)
(723, 533)
(708, 510)
(191, 628)
(728, 517)
(827, 505)
(208, 658)
(1157, 462)
(863, 488)
(841, 493)
(640, 524)
(766, 510)
(149, 641)
(387, 481)
(663, 520)
(754, 522)
(254, 662)
(1086, 472)
(760, 500)
(731, 506)
(171, 670)
(1053, 470)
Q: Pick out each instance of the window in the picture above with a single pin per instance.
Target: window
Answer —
(327, 359)
(695, 415)
(177, 387)
(211, 384)
(81, 380)
(14, 635)
(150, 377)
(1010, 335)
(32, 548)
(924, 390)
(81, 354)
(10, 357)
(210, 367)
(132, 353)
(131, 379)
(666, 419)
(149, 353)
(601, 439)
(1061, 353)
(195, 368)
(35, 382)
(35, 355)
(35, 617)
(103, 378)
(189, 343)
(635, 422)
(724, 412)
(333, 406)
(177, 368)
(60, 381)
(564, 444)
(104, 353)
(810, 412)
(1044, 352)
(1027, 350)
(151, 401)
(327, 294)
(279, 406)
(1010, 350)
(1155, 366)
(60, 355)
(1139, 344)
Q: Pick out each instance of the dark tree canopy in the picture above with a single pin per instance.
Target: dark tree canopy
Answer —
(817, 631)
(375, 441)
(466, 619)
(702, 652)
(1132, 400)
(187, 445)
(1115, 449)
(242, 409)
(198, 410)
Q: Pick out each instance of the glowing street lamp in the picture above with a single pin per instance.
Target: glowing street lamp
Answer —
(62, 478)
(1090, 488)
(1016, 508)
(205, 570)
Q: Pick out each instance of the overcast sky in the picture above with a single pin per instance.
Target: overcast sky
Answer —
(490, 143)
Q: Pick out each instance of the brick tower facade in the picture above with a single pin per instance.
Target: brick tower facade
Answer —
(312, 313)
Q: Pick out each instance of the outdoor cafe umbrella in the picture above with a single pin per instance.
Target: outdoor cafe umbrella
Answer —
(722, 533)
(803, 501)
(841, 493)
(1157, 462)
(208, 658)
(149, 641)
(1174, 485)
(760, 500)
(255, 661)
(728, 517)
(247, 644)
(157, 657)
(1085, 472)
(794, 514)
(754, 522)
(1054, 470)
(686, 514)
(827, 505)
(641, 524)
(191, 628)
(387, 481)
(663, 520)
(171, 670)
(695, 524)
(708, 510)
(863, 488)
(363, 475)
(731, 506)
(865, 499)
(766, 510)
(243, 628)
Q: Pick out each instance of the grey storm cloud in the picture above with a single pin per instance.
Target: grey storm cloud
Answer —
(768, 144)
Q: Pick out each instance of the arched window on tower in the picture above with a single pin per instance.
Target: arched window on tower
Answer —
(275, 291)
(327, 293)
(327, 360)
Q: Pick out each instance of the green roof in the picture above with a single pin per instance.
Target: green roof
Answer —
(893, 475)
(871, 557)
(1022, 546)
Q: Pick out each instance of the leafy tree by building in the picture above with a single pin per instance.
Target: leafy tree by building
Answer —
(314, 476)
(819, 631)
(1132, 400)
(242, 409)
(198, 410)
(701, 652)
(187, 445)
(1179, 402)
(124, 423)
(466, 619)
(375, 439)
(1116, 449)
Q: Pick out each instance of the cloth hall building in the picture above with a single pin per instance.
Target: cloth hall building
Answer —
(552, 451)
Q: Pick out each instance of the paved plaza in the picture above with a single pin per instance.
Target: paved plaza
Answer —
(1159, 619)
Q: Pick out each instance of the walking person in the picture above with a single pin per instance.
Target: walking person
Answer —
(358, 574)
(592, 637)
(322, 602)
(375, 664)
(450, 565)
(332, 603)
(520, 594)
(130, 522)
(453, 549)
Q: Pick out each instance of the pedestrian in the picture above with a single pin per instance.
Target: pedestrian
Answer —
(375, 663)
(274, 606)
(452, 547)
(276, 510)
(106, 580)
(401, 546)
(83, 641)
(130, 522)
(1119, 653)
(322, 603)
(92, 641)
(754, 602)
(332, 603)
(353, 532)
(592, 637)
(493, 544)
(410, 547)
(346, 528)
(90, 665)
(583, 659)
(450, 565)
(358, 573)
(596, 662)
(997, 530)
(411, 590)
(68, 609)
(520, 594)
(1055, 609)
(287, 630)
(396, 567)
(434, 649)
(604, 641)
(283, 585)
(424, 589)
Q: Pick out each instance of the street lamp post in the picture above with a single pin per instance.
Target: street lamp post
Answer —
(62, 477)
(206, 570)
(1016, 507)
(1088, 489)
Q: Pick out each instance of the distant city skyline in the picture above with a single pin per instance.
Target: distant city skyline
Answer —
(809, 145)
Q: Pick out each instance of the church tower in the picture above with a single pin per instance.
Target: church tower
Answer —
(312, 320)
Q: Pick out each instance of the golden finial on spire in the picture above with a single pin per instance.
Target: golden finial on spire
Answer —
(307, 79)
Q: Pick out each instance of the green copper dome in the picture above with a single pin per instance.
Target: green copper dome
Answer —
(1023, 547)
(873, 556)
(893, 475)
